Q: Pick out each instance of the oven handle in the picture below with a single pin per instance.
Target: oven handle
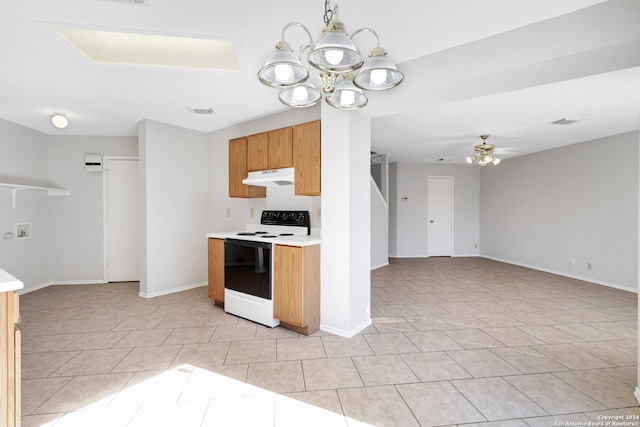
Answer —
(249, 243)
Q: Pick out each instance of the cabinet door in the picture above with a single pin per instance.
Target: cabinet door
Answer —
(216, 269)
(237, 167)
(238, 171)
(258, 152)
(306, 158)
(287, 285)
(280, 148)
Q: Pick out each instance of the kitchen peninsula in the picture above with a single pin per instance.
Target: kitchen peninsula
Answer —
(270, 275)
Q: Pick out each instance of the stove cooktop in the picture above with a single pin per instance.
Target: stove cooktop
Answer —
(262, 234)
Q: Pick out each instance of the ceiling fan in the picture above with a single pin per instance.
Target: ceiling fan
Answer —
(484, 153)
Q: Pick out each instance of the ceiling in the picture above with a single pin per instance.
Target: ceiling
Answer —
(497, 67)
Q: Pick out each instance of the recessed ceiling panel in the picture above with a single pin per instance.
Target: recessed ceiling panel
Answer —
(123, 48)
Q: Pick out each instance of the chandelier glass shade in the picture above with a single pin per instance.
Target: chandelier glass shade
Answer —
(300, 96)
(346, 96)
(335, 52)
(484, 154)
(283, 68)
(378, 73)
(336, 57)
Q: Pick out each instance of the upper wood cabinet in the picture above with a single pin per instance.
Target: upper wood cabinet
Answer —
(297, 146)
(270, 150)
(306, 158)
(238, 171)
(258, 152)
(280, 148)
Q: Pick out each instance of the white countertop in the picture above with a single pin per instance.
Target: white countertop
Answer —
(280, 240)
(8, 282)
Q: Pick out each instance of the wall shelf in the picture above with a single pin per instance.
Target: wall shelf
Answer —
(51, 191)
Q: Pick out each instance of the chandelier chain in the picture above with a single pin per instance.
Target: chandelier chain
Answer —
(328, 13)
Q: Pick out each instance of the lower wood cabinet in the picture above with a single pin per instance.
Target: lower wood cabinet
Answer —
(296, 302)
(216, 270)
(9, 360)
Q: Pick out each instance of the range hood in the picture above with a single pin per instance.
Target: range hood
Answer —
(268, 178)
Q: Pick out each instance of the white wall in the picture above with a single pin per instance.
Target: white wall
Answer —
(578, 202)
(24, 159)
(77, 235)
(408, 218)
(379, 228)
(174, 175)
(281, 198)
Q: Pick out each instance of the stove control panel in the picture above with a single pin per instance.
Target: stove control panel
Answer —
(289, 218)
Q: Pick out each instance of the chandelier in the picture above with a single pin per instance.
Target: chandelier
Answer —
(484, 154)
(337, 58)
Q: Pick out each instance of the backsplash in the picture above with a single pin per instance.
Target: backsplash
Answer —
(283, 198)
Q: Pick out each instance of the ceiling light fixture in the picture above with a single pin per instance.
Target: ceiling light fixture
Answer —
(59, 120)
(337, 58)
(484, 154)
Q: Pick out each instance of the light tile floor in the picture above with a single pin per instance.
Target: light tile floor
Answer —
(453, 341)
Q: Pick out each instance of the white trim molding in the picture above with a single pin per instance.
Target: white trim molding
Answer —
(560, 273)
(173, 290)
(347, 334)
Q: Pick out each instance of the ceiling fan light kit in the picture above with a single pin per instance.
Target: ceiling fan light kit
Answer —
(484, 154)
(336, 57)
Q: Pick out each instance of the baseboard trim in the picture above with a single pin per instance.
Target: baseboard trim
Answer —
(33, 288)
(77, 282)
(59, 283)
(375, 267)
(409, 256)
(427, 256)
(560, 273)
(346, 334)
(172, 290)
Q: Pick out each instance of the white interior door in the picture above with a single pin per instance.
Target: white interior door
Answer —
(121, 220)
(440, 216)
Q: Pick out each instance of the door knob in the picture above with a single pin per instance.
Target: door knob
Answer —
(431, 221)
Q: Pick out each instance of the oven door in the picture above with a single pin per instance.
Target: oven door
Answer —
(247, 267)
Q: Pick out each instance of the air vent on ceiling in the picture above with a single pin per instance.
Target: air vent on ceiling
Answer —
(566, 121)
(138, 2)
(201, 110)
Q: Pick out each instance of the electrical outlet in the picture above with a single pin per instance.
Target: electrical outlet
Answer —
(252, 213)
(475, 246)
(589, 266)
(572, 262)
(317, 212)
(228, 212)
